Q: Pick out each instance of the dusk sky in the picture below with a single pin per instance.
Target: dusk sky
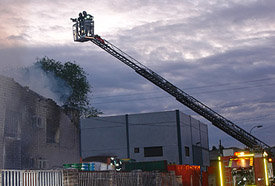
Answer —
(220, 52)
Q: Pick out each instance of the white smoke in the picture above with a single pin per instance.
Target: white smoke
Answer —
(45, 84)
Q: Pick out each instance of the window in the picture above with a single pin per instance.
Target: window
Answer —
(12, 156)
(37, 122)
(52, 131)
(41, 164)
(153, 151)
(136, 150)
(12, 123)
(187, 151)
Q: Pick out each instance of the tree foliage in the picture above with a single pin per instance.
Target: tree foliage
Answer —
(76, 78)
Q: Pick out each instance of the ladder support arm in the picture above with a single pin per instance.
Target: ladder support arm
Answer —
(216, 119)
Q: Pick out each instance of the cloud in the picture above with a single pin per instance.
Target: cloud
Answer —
(221, 52)
(119, 90)
(203, 35)
(19, 38)
(214, 48)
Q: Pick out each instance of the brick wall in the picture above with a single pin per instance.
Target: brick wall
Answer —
(35, 133)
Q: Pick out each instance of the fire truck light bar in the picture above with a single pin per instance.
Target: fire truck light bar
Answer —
(243, 154)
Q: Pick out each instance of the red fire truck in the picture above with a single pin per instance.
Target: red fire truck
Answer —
(245, 168)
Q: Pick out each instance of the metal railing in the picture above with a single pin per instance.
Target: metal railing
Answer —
(31, 178)
(69, 177)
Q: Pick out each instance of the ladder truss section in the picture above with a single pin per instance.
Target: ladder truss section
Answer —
(216, 119)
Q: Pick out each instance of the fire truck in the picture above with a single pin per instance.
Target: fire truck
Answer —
(244, 168)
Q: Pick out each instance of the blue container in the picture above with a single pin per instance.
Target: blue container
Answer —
(92, 166)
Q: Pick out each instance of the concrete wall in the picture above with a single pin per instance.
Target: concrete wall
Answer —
(34, 131)
(186, 136)
(106, 136)
(153, 129)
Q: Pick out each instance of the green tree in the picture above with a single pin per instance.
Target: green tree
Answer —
(76, 78)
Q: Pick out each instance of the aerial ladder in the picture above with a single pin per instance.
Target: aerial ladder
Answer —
(81, 34)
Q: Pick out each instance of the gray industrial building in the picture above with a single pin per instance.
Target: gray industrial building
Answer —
(171, 135)
(35, 133)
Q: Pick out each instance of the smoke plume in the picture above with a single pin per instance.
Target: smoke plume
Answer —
(45, 84)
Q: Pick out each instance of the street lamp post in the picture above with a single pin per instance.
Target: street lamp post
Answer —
(257, 126)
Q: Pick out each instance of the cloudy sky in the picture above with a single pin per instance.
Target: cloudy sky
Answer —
(221, 52)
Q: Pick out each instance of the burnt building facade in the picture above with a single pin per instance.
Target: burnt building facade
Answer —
(35, 133)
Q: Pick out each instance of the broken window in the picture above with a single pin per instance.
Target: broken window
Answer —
(42, 164)
(12, 154)
(37, 122)
(12, 122)
(52, 131)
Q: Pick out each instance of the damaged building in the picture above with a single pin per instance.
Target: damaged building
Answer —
(35, 133)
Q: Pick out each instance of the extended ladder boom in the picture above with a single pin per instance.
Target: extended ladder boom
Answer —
(189, 101)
